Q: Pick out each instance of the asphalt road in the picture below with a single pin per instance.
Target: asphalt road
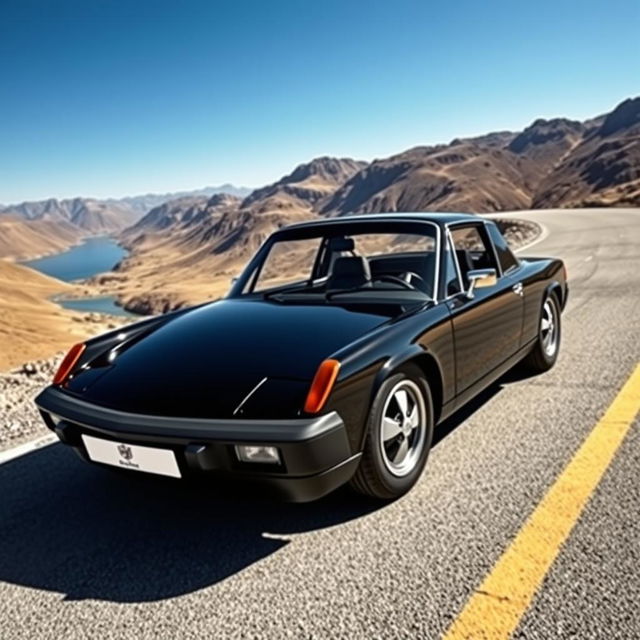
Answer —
(84, 553)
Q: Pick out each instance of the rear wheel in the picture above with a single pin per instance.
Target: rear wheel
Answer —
(545, 351)
(399, 433)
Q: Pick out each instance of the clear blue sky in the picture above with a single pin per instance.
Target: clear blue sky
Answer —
(109, 97)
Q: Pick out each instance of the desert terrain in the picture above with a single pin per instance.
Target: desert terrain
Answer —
(186, 249)
(31, 326)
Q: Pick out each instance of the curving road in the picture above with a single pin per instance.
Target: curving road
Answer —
(87, 554)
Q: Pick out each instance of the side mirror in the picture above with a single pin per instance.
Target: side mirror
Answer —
(479, 278)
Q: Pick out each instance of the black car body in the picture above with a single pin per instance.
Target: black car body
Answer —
(201, 382)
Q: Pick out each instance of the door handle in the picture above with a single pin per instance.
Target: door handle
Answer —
(518, 289)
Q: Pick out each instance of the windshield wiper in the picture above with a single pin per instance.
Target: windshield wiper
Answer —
(274, 294)
(329, 295)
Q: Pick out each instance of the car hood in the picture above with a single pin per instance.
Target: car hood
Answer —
(206, 361)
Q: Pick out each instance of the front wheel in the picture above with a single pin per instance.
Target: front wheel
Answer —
(399, 433)
(545, 351)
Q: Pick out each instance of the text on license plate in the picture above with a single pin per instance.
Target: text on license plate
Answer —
(132, 456)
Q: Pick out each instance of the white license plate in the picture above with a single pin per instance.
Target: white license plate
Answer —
(132, 456)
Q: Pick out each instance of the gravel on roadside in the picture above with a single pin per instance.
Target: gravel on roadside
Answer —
(19, 417)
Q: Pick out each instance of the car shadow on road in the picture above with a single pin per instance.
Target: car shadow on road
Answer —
(75, 529)
(517, 374)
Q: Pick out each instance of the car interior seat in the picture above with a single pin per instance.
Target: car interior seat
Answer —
(349, 272)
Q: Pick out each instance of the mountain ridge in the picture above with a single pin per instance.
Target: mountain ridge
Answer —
(39, 227)
(553, 162)
(186, 249)
(107, 215)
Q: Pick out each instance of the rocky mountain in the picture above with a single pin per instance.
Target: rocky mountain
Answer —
(93, 216)
(96, 216)
(186, 249)
(87, 215)
(168, 214)
(306, 185)
(218, 222)
(144, 203)
(498, 171)
(188, 220)
(198, 244)
(542, 145)
(462, 176)
(603, 169)
(498, 139)
(551, 163)
(32, 229)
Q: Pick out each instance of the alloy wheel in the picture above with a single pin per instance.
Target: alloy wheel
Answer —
(549, 328)
(403, 428)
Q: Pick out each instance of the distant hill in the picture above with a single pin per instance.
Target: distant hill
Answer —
(185, 247)
(495, 172)
(144, 203)
(462, 176)
(87, 214)
(219, 222)
(190, 248)
(307, 184)
(551, 163)
(66, 221)
(189, 221)
(603, 169)
(187, 250)
(22, 239)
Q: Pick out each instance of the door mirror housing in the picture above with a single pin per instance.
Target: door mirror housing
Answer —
(479, 278)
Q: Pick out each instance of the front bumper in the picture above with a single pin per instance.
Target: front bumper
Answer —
(315, 454)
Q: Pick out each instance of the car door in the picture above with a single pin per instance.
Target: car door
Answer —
(487, 327)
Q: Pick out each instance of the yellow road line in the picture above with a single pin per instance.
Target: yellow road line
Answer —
(498, 604)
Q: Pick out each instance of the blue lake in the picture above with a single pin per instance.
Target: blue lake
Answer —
(93, 256)
(101, 304)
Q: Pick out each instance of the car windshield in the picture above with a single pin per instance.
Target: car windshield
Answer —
(393, 261)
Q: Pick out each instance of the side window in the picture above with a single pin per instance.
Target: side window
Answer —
(505, 255)
(451, 280)
(473, 250)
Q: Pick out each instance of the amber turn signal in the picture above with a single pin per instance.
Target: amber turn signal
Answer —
(69, 362)
(321, 386)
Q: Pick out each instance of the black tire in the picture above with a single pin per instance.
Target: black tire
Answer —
(541, 358)
(374, 476)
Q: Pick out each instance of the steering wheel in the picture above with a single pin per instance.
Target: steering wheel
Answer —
(407, 276)
(405, 284)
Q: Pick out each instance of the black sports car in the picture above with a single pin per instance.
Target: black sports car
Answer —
(337, 352)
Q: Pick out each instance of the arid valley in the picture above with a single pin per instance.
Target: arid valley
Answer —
(185, 248)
